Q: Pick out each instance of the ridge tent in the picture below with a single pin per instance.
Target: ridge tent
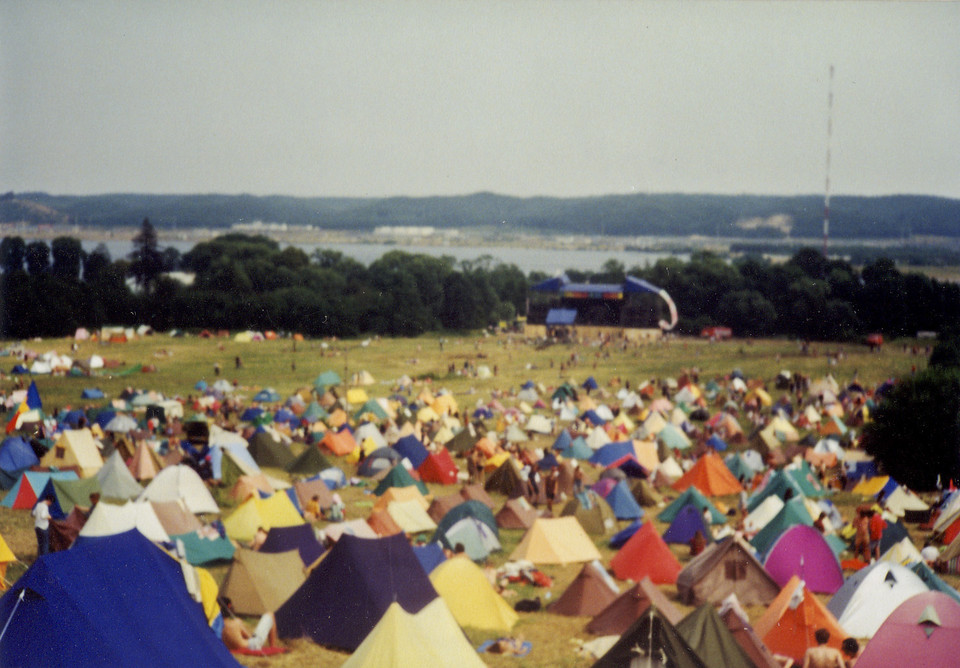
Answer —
(788, 625)
(74, 448)
(268, 451)
(578, 449)
(589, 593)
(358, 528)
(6, 557)
(202, 549)
(803, 551)
(339, 443)
(629, 606)
(467, 592)
(726, 567)
(260, 582)
(778, 484)
(439, 468)
(108, 520)
(410, 447)
(410, 516)
(476, 492)
(382, 523)
(876, 596)
(28, 489)
(646, 555)
(694, 496)
(924, 630)
(400, 494)
(686, 525)
(441, 505)
(708, 636)
(477, 539)
(305, 490)
(116, 481)
(181, 482)
(274, 511)
(760, 516)
(622, 503)
(348, 592)
(739, 626)
(589, 512)
(69, 493)
(430, 637)
(555, 541)
(310, 462)
(175, 518)
(711, 476)
(644, 493)
(506, 480)
(430, 556)
(517, 514)
(145, 463)
(104, 620)
(620, 538)
(651, 635)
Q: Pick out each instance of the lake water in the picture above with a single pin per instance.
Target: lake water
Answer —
(546, 260)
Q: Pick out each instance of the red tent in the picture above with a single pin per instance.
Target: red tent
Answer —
(646, 555)
(438, 467)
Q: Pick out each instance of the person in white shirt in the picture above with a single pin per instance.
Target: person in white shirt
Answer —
(41, 525)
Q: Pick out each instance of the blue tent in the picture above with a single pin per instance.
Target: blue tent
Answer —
(201, 386)
(590, 384)
(332, 477)
(529, 385)
(430, 556)
(378, 461)
(621, 501)
(19, 370)
(300, 537)
(621, 537)
(16, 456)
(564, 440)
(103, 418)
(71, 418)
(267, 394)
(611, 452)
(548, 461)
(92, 393)
(251, 413)
(578, 449)
(482, 413)
(687, 522)
(69, 610)
(717, 443)
(345, 596)
(593, 418)
(410, 447)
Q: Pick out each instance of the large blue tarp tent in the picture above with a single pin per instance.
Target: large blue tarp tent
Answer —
(299, 537)
(345, 596)
(108, 601)
(16, 456)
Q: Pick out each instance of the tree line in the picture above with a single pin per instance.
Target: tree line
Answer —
(249, 282)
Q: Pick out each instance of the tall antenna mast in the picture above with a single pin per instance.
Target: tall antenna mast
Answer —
(826, 198)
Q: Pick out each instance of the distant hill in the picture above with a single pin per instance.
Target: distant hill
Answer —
(744, 216)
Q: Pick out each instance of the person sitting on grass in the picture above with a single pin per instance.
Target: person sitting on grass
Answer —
(236, 635)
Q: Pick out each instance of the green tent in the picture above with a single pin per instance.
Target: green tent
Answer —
(327, 379)
(70, 493)
(315, 412)
(694, 496)
(778, 484)
(268, 452)
(462, 441)
(373, 407)
(710, 638)
(310, 461)
(398, 476)
(200, 550)
(506, 480)
(793, 512)
(806, 480)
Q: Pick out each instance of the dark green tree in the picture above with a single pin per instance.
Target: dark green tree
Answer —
(915, 432)
(146, 259)
(38, 258)
(13, 251)
(68, 257)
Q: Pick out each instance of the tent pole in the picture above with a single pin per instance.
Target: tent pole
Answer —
(12, 613)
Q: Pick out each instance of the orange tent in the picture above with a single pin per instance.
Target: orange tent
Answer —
(711, 476)
(788, 625)
(646, 555)
(339, 443)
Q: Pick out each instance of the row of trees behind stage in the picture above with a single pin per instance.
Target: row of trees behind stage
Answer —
(246, 282)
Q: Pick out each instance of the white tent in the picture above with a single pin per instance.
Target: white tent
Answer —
(181, 482)
(108, 519)
(597, 438)
(538, 424)
(884, 588)
(762, 514)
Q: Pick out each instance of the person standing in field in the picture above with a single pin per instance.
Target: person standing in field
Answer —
(41, 525)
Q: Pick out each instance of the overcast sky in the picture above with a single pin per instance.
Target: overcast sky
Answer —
(524, 98)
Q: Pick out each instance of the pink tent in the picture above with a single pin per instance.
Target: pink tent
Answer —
(802, 551)
(924, 631)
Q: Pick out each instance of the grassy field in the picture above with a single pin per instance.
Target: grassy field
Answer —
(437, 362)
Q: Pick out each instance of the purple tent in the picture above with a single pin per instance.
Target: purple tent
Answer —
(924, 631)
(803, 551)
(299, 537)
(345, 596)
(685, 525)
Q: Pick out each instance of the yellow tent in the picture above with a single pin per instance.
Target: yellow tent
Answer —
(274, 511)
(427, 414)
(357, 395)
(871, 486)
(467, 591)
(401, 494)
(647, 454)
(410, 516)
(760, 395)
(623, 421)
(368, 446)
(494, 462)
(429, 638)
(444, 404)
(337, 418)
(560, 540)
(75, 447)
(6, 556)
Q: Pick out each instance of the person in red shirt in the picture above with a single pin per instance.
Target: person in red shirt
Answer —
(876, 526)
